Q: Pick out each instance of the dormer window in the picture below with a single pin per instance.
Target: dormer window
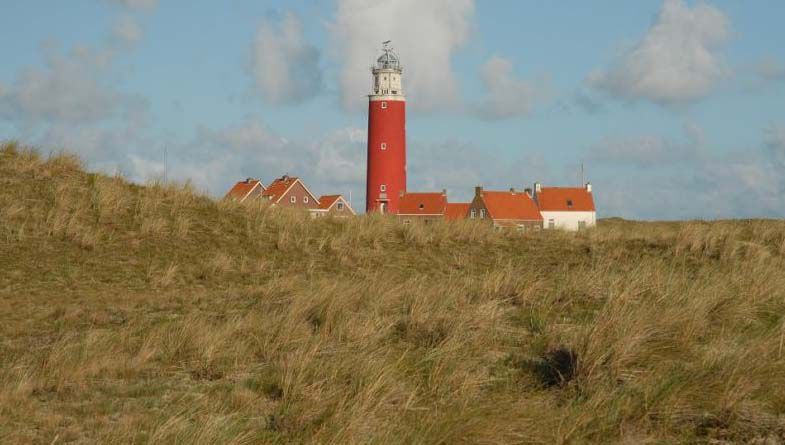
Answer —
(422, 206)
(569, 203)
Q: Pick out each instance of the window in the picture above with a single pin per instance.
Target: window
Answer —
(383, 188)
(305, 200)
(473, 214)
(422, 206)
(384, 104)
(339, 206)
(482, 213)
(569, 203)
(551, 223)
(293, 199)
(407, 221)
(384, 145)
(394, 91)
(581, 225)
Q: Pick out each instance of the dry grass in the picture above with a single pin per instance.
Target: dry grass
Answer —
(151, 314)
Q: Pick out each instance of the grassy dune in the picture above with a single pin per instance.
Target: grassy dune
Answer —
(152, 314)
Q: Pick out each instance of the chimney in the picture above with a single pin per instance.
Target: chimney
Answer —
(537, 187)
(444, 192)
(528, 191)
(249, 180)
(478, 191)
(512, 190)
(285, 177)
(588, 187)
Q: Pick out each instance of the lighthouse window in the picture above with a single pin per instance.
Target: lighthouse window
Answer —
(384, 104)
(384, 145)
(383, 187)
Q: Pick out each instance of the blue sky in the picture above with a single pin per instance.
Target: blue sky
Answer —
(676, 108)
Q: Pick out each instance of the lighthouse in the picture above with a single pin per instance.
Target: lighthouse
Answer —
(386, 171)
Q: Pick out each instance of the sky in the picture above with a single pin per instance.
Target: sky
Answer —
(675, 108)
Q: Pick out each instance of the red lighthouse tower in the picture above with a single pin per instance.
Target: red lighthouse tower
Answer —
(386, 174)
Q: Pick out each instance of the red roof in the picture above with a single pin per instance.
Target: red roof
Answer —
(456, 210)
(241, 190)
(327, 201)
(563, 199)
(422, 204)
(511, 205)
(278, 187)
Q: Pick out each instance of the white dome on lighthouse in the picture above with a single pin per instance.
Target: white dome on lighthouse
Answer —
(388, 59)
(387, 75)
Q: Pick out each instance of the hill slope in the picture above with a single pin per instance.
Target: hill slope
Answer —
(151, 314)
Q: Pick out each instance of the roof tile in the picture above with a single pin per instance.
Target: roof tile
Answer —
(564, 199)
(511, 205)
(422, 204)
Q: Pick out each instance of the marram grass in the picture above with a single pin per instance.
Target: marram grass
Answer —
(152, 314)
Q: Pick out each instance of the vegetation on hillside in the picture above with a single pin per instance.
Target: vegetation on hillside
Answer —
(152, 314)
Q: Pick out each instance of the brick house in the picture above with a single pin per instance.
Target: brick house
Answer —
(419, 206)
(289, 191)
(249, 189)
(334, 205)
(566, 208)
(511, 209)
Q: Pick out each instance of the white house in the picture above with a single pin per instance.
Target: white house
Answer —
(566, 208)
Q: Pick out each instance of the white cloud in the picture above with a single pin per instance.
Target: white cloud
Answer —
(459, 167)
(216, 158)
(426, 34)
(678, 61)
(340, 157)
(70, 88)
(681, 185)
(127, 30)
(507, 96)
(651, 150)
(284, 66)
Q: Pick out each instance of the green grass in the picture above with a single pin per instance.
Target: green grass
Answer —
(151, 314)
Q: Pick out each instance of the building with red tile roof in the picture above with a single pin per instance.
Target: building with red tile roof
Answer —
(510, 209)
(422, 206)
(457, 210)
(290, 191)
(568, 208)
(334, 205)
(243, 190)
